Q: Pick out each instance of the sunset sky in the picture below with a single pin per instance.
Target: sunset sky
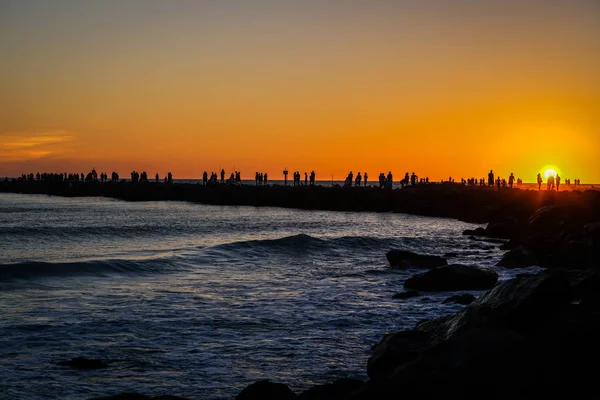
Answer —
(436, 87)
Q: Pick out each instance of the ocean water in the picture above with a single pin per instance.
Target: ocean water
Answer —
(199, 300)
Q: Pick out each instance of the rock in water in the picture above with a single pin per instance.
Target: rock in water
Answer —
(408, 259)
(452, 277)
(137, 396)
(519, 257)
(265, 390)
(341, 389)
(464, 299)
(396, 349)
(84, 363)
(406, 295)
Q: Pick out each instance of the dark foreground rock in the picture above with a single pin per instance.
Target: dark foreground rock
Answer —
(341, 389)
(527, 338)
(84, 363)
(408, 259)
(266, 390)
(137, 396)
(452, 277)
(464, 299)
(406, 295)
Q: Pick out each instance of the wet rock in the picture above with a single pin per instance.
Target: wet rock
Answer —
(266, 390)
(519, 257)
(408, 259)
(474, 232)
(137, 396)
(452, 277)
(464, 299)
(84, 363)
(406, 295)
(396, 349)
(341, 389)
(507, 229)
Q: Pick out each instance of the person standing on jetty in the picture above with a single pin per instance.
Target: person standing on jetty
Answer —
(366, 177)
(491, 178)
(358, 179)
(557, 182)
(285, 174)
(222, 175)
(312, 178)
(390, 180)
(539, 181)
(511, 180)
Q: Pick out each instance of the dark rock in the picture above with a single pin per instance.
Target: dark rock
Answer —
(452, 277)
(592, 229)
(339, 390)
(137, 396)
(84, 363)
(507, 229)
(519, 257)
(474, 232)
(518, 304)
(396, 349)
(408, 259)
(406, 295)
(464, 299)
(265, 390)
(450, 255)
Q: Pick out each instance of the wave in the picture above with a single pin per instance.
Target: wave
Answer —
(97, 268)
(303, 243)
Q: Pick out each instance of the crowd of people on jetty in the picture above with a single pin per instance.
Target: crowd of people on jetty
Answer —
(261, 179)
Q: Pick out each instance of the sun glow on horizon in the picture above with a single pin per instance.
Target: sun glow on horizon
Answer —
(549, 172)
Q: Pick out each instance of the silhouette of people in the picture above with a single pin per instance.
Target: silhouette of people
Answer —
(358, 179)
(511, 180)
(305, 179)
(491, 178)
(539, 181)
(390, 180)
(557, 182)
(285, 174)
(222, 175)
(312, 178)
(265, 179)
(365, 178)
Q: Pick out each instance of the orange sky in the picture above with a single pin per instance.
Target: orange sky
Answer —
(439, 88)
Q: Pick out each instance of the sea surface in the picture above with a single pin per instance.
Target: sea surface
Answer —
(199, 300)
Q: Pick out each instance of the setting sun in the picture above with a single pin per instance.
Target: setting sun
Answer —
(549, 172)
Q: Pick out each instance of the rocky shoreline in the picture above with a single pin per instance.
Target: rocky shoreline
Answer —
(529, 337)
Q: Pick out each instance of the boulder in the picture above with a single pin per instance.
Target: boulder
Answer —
(406, 295)
(396, 349)
(464, 299)
(84, 363)
(519, 304)
(341, 389)
(408, 259)
(452, 277)
(266, 390)
(507, 229)
(519, 257)
(137, 396)
(474, 232)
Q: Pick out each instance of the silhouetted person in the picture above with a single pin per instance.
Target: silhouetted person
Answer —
(491, 178)
(381, 180)
(358, 179)
(539, 181)
(366, 177)
(557, 182)
(266, 179)
(390, 180)
(222, 175)
(285, 174)
(312, 178)
(511, 180)
(305, 179)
